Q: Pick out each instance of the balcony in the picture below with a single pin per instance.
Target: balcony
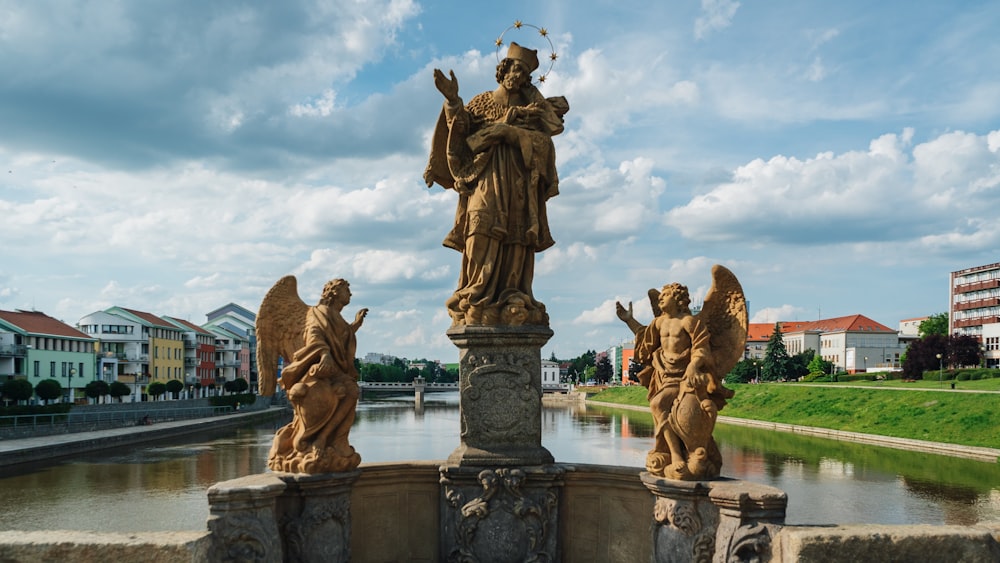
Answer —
(978, 321)
(191, 362)
(977, 304)
(976, 286)
(13, 350)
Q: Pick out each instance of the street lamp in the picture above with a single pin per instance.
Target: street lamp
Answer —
(866, 364)
(940, 369)
(756, 366)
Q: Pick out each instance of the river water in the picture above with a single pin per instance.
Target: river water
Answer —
(163, 486)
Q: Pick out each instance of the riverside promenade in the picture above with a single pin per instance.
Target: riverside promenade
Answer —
(44, 448)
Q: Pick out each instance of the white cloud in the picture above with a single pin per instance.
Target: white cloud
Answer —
(715, 15)
(776, 314)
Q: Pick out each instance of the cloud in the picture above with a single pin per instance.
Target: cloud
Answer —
(945, 183)
(715, 15)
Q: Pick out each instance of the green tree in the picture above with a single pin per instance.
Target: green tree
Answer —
(776, 359)
(95, 390)
(17, 390)
(117, 390)
(798, 365)
(922, 355)
(48, 389)
(819, 365)
(174, 386)
(742, 372)
(240, 385)
(603, 370)
(934, 324)
(156, 389)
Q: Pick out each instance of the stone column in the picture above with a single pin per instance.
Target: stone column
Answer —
(242, 519)
(314, 516)
(714, 521)
(500, 515)
(500, 395)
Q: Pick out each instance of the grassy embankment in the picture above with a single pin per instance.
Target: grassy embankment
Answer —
(882, 408)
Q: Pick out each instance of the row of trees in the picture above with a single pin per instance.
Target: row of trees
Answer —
(936, 349)
(20, 390)
(399, 372)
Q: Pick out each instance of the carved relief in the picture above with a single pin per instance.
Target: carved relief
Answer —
(245, 538)
(327, 519)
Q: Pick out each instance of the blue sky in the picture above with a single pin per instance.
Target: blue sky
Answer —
(173, 156)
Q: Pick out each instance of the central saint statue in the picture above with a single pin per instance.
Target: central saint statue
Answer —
(497, 153)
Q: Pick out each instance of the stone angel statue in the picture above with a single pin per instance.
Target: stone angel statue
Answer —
(318, 346)
(684, 358)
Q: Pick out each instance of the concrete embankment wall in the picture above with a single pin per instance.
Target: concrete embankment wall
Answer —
(31, 450)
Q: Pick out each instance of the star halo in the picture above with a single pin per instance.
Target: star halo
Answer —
(518, 25)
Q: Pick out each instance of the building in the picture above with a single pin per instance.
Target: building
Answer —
(35, 346)
(550, 374)
(758, 335)
(232, 356)
(199, 353)
(853, 343)
(241, 322)
(974, 307)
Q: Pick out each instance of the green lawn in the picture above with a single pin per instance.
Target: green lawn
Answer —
(971, 419)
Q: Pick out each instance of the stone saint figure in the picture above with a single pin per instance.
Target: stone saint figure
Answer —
(497, 153)
(683, 359)
(320, 378)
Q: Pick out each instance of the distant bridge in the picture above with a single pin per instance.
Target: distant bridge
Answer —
(411, 386)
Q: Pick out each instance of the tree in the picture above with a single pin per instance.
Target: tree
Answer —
(604, 371)
(17, 390)
(798, 365)
(776, 359)
(743, 372)
(95, 390)
(117, 390)
(240, 385)
(48, 389)
(819, 365)
(174, 386)
(963, 351)
(934, 324)
(922, 355)
(156, 389)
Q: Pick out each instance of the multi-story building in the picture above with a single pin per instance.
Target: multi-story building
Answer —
(199, 353)
(758, 335)
(35, 346)
(232, 356)
(974, 307)
(550, 373)
(147, 347)
(241, 322)
(853, 343)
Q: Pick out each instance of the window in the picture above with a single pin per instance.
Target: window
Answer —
(38, 368)
(52, 369)
(80, 371)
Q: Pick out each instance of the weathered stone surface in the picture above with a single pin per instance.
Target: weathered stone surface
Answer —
(500, 515)
(500, 395)
(722, 520)
(94, 547)
(873, 542)
(314, 516)
(242, 519)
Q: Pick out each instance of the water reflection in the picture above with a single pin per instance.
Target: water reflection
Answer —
(162, 487)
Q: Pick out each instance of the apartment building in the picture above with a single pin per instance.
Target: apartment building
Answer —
(199, 353)
(853, 343)
(241, 322)
(35, 346)
(974, 307)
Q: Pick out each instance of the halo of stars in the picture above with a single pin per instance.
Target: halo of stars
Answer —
(518, 24)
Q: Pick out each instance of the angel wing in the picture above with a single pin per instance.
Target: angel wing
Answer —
(724, 313)
(654, 301)
(280, 323)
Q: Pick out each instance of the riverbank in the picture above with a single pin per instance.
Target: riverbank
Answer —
(955, 417)
(46, 448)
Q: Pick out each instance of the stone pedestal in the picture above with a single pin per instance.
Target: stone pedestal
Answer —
(714, 521)
(242, 519)
(500, 515)
(314, 516)
(500, 386)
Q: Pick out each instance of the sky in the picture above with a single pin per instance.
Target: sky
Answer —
(173, 156)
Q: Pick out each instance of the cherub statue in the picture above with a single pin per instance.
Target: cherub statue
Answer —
(320, 377)
(683, 359)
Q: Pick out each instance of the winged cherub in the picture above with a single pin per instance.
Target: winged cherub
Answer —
(683, 359)
(319, 376)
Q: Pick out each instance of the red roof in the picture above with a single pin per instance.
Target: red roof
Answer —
(149, 317)
(35, 322)
(190, 325)
(850, 323)
(759, 331)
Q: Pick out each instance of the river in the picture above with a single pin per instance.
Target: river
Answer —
(163, 486)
